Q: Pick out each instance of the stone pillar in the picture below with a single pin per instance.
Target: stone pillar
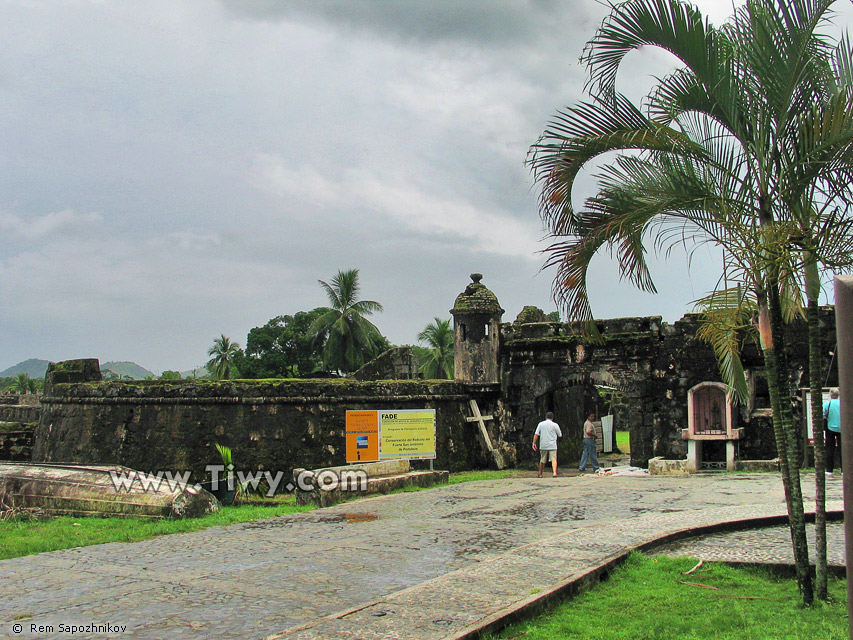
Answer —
(476, 324)
(694, 456)
(844, 332)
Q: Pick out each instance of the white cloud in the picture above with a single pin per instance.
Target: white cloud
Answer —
(237, 152)
(187, 241)
(406, 204)
(47, 225)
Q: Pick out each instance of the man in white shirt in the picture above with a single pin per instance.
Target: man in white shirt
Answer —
(545, 439)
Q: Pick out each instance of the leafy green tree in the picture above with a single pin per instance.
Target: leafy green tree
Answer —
(439, 338)
(349, 338)
(732, 149)
(170, 375)
(224, 353)
(23, 384)
(283, 347)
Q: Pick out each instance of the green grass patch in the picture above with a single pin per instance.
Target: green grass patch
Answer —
(648, 599)
(623, 441)
(22, 537)
(472, 476)
(462, 476)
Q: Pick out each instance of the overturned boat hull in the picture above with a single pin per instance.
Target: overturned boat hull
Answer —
(91, 490)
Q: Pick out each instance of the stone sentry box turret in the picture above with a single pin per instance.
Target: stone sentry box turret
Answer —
(476, 324)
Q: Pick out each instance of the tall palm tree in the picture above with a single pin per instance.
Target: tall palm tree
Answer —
(730, 149)
(350, 338)
(439, 338)
(224, 354)
(22, 383)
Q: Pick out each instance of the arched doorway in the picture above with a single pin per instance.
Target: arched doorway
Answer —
(569, 404)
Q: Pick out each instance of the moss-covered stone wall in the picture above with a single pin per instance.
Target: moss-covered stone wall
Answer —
(19, 413)
(652, 364)
(16, 441)
(544, 366)
(269, 424)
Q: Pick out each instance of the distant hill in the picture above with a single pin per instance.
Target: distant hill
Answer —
(127, 370)
(198, 372)
(36, 368)
(33, 367)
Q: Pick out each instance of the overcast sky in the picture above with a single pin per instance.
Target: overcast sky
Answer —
(172, 171)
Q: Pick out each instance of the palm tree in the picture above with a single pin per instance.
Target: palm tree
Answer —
(22, 383)
(730, 150)
(350, 338)
(438, 336)
(224, 354)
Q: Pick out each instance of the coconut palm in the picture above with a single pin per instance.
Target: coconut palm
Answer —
(350, 338)
(438, 336)
(730, 150)
(22, 383)
(224, 354)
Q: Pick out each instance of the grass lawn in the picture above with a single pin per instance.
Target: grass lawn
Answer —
(648, 599)
(25, 536)
(623, 441)
(22, 537)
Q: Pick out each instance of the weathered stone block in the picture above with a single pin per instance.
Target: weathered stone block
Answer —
(660, 467)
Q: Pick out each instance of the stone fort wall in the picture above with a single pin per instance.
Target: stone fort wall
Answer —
(544, 366)
(269, 425)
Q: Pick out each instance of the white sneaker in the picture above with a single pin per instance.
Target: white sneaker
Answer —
(828, 474)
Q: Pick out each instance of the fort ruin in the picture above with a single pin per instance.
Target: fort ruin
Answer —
(514, 371)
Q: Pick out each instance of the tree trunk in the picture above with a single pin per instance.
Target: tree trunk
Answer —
(779, 386)
(816, 393)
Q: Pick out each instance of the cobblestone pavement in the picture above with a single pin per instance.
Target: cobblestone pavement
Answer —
(441, 563)
(768, 546)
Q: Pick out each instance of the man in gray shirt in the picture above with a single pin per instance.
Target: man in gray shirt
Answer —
(545, 439)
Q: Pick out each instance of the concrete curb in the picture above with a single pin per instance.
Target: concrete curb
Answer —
(578, 583)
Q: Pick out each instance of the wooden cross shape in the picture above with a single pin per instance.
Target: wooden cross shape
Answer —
(481, 422)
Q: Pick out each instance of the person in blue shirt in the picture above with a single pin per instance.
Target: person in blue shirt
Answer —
(832, 434)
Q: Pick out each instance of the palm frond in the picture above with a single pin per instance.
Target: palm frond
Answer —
(728, 317)
(672, 25)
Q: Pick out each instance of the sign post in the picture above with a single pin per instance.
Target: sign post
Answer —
(844, 331)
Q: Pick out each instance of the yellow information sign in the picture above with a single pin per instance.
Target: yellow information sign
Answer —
(407, 434)
(390, 434)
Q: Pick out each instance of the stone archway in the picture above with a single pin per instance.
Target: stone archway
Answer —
(569, 403)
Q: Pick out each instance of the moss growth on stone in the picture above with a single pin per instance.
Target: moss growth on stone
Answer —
(11, 427)
(531, 314)
(476, 299)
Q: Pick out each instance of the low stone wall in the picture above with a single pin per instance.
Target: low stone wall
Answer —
(19, 413)
(660, 467)
(376, 477)
(269, 424)
(20, 398)
(16, 441)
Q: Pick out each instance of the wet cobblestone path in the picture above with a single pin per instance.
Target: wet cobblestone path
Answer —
(429, 564)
